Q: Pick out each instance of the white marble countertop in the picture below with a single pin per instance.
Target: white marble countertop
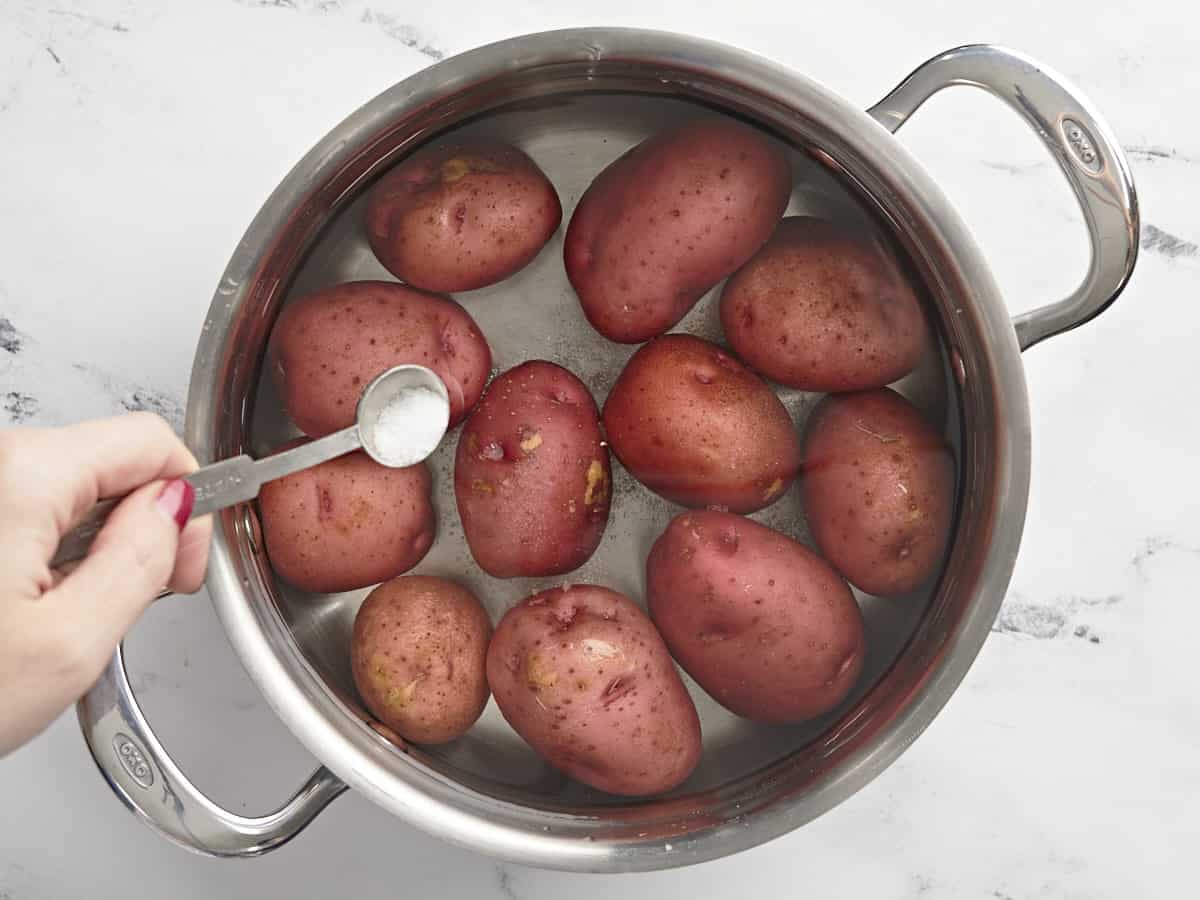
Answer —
(139, 137)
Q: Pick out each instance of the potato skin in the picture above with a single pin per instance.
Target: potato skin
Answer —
(347, 523)
(327, 346)
(581, 674)
(418, 657)
(823, 307)
(668, 220)
(462, 215)
(696, 426)
(878, 489)
(531, 475)
(761, 622)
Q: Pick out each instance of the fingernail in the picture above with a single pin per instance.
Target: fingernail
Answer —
(176, 500)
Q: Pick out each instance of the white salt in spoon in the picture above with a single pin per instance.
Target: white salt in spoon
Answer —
(400, 420)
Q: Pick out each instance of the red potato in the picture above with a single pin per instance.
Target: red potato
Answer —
(531, 475)
(761, 622)
(668, 220)
(878, 490)
(696, 426)
(580, 673)
(823, 307)
(418, 657)
(462, 215)
(347, 523)
(327, 346)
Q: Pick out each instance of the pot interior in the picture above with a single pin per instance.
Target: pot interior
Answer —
(572, 127)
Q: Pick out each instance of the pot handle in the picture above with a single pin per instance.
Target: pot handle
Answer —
(1081, 143)
(140, 772)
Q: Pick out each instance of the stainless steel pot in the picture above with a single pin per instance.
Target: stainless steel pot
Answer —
(572, 91)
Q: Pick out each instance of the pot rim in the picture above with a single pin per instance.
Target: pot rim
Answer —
(433, 801)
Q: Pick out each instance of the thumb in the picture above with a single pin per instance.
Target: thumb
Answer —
(129, 562)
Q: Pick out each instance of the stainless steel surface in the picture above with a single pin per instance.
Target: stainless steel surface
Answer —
(574, 100)
(1085, 149)
(238, 479)
(534, 314)
(141, 773)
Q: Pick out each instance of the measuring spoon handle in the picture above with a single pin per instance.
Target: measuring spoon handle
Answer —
(218, 485)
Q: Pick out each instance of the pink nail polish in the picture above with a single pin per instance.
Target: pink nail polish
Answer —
(176, 501)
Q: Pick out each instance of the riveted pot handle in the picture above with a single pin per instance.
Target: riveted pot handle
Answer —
(140, 772)
(1081, 143)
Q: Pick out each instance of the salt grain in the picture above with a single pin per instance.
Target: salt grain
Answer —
(410, 427)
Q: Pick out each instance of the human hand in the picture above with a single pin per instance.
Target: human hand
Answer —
(57, 631)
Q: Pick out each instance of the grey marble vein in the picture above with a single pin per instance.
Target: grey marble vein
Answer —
(504, 882)
(1045, 620)
(158, 402)
(281, 4)
(1155, 240)
(21, 407)
(39, 387)
(391, 25)
(1035, 620)
(922, 885)
(106, 24)
(1158, 154)
(320, 6)
(406, 34)
(1152, 547)
(1013, 168)
(135, 398)
(11, 340)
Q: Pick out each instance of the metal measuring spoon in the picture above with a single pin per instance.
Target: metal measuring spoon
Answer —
(387, 399)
